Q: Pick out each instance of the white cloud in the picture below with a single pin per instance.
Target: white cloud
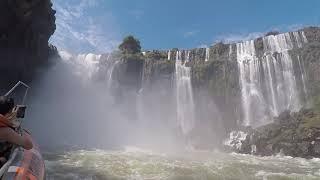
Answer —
(231, 38)
(84, 27)
(295, 27)
(190, 33)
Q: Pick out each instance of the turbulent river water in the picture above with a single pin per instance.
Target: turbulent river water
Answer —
(136, 164)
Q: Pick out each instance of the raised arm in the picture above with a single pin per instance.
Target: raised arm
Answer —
(9, 135)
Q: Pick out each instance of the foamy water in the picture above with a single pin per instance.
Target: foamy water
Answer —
(136, 164)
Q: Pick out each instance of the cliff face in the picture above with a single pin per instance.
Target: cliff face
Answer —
(245, 83)
(310, 54)
(25, 28)
(293, 134)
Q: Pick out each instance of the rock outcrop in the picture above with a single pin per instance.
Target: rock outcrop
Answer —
(292, 134)
(25, 28)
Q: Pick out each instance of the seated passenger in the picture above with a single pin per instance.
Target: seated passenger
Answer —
(8, 136)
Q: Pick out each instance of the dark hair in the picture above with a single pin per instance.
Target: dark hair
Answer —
(6, 104)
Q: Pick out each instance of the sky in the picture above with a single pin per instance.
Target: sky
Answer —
(98, 26)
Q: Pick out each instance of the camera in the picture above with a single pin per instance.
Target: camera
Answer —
(20, 110)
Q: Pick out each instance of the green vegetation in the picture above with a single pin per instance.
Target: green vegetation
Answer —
(311, 121)
(128, 56)
(316, 103)
(130, 45)
(162, 66)
(272, 33)
(130, 49)
(156, 55)
(218, 76)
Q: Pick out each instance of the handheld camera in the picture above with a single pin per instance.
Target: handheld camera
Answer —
(20, 109)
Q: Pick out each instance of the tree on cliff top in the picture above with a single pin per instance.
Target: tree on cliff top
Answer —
(130, 45)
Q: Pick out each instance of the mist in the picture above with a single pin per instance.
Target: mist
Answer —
(69, 107)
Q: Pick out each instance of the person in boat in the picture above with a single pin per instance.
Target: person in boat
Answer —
(8, 136)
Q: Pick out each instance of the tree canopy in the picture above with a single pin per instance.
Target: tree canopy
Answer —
(130, 45)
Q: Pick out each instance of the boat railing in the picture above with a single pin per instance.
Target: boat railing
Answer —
(6, 166)
(15, 149)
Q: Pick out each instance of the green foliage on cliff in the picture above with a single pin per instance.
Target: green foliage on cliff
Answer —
(156, 55)
(137, 56)
(130, 45)
(163, 67)
(272, 33)
(311, 121)
(219, 76)
(310, 56)
(157, 68)
(316, 103)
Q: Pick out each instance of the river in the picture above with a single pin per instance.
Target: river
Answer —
(135, 164)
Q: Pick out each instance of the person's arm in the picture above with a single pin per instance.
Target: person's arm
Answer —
(11, 136)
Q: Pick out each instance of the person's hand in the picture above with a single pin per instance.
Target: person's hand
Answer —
(27, 143)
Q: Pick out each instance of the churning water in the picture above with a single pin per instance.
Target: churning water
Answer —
(137, 164)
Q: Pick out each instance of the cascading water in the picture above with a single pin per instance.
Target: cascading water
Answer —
(188, 56)
(110, 74)
(207, 54)
(185, 103)
(268, 83)
(92, 121)
(303, 76)
(268, 86)
(65, 96)
(85, 65)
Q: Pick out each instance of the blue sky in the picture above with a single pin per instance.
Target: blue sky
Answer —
(99, 25)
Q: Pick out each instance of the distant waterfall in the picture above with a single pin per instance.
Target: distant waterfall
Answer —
(169, 55)
(207, 54)
(268, 83)
(185, 103)
(85, 65)
(110, 74)
(303, 76)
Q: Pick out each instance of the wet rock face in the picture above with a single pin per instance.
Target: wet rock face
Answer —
(220, 82)
(312, 34)
(156, 73)
(292, 134)
(215, 75)
(25, 28)
(127, 74)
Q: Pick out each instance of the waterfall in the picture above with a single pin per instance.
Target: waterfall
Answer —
(303, 76)
(268, 83)
(207, 54)
(247, 63)
(85, 65)
(230, 51)
(188, 56)
(185, 103)
(70, 94)
(110, 71)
